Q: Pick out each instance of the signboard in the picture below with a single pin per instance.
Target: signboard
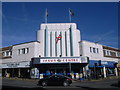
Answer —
(104, 62)
(48, 60)
(15, 65)
(75, 60)
(64, 60)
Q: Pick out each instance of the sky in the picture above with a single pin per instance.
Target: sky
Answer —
(97, 21)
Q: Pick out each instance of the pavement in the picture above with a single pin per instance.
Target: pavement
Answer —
(100, 79)
(109, 82)
(74, 80)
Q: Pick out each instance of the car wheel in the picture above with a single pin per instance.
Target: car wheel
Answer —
(65, 83)
(44, 83)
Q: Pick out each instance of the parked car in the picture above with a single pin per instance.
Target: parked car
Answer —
(55, 80)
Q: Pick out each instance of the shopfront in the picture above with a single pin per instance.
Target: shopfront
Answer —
(16, 69)
(100, 68)
(60, 65)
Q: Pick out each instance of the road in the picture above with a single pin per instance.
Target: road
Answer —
(76, 85)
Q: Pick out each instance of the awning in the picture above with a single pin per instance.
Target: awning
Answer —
(92, 63)
(109, 64)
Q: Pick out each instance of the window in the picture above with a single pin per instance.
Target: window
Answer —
(113, 54)
(104, 52)
(10, 53)
(94, 50)
(118, 54)
(90, 49)
(18, 51)
(27, 50)
(108, 53)
(23, 51)
(6, 53)
(97, 50)
(3, 54)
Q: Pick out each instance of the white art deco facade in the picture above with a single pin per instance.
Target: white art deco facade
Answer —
(58, 49)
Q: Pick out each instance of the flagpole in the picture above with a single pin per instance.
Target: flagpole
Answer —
(69, 15)
(46, 14)
(46, 19)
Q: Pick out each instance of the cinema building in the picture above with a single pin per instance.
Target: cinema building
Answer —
(58, 49)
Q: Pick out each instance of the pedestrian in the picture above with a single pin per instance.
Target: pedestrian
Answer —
(81, 75)
(51, 72)
(88, 75)
(92, 74)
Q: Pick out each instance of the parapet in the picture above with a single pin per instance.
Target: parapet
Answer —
(58, 26)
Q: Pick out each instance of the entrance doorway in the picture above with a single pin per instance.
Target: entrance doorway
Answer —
(60, 71)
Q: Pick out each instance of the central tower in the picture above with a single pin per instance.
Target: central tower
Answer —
(59, 40)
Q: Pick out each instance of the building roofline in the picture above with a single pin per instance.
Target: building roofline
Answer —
(19, 44)
(100, 44)
(111, 48)
(90, 42)
(26, 43)
(6, 48)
